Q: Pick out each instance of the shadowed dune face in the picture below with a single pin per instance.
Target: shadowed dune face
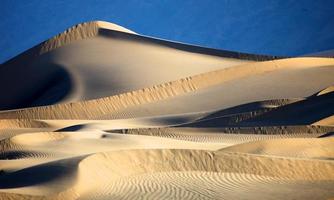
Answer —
(35, 85)
(103, 113)
(27, 177)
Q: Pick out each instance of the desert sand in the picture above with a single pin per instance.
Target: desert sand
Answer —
(101, 112)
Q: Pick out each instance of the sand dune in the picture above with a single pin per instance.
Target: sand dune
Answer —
(100, 112)
(218, 173)
(65, 77)
(261, 79)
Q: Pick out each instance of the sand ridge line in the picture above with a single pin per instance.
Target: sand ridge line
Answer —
(147, 95)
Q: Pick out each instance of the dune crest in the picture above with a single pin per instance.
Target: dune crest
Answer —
(79, 32)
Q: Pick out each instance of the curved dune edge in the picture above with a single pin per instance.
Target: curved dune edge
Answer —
(37, 138)
(293, 147)
(159, 92)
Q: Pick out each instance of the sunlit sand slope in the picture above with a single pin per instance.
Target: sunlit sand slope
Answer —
(100, 112)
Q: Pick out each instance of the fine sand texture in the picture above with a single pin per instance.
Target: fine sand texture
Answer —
(101, 112)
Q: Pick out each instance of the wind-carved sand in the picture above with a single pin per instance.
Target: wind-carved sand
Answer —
(100, 112)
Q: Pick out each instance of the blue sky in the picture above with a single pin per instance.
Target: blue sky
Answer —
(275, 27)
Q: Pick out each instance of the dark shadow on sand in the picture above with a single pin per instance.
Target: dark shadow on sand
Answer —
(33, 84)
(39, 174)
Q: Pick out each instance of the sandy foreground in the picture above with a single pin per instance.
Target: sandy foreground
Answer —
(100, 112)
